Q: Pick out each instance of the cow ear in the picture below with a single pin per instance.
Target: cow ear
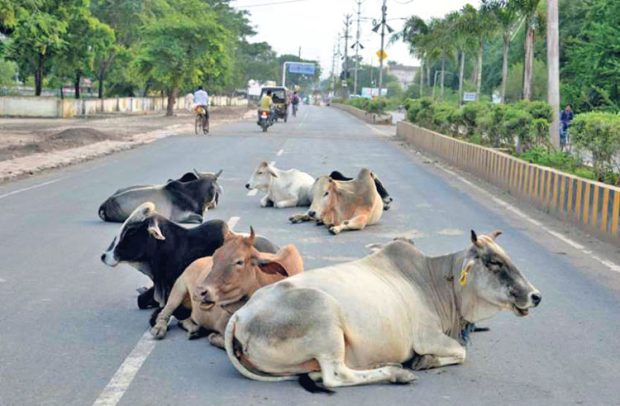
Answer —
(495, 234)
(271, 171)
(154, 229)
(474, 239)
(271, 267)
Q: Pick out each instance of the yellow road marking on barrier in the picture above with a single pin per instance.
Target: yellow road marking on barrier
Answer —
(586, 204)
(615, 213)
(594, 218)
(578, 199)
(570, 195)
(605, 210)
(562, 190)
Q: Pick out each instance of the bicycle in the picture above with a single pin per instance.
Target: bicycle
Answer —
(201, 123)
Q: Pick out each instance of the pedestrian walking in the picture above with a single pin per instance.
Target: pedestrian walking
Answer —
(566, 116)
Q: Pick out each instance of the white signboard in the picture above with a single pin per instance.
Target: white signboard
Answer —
(469, 96)
(370, 92)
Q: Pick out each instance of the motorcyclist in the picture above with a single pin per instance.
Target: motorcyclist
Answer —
(265, 105)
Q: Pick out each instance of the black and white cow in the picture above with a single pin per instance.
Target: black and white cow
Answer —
(184, 200)
(162, 249)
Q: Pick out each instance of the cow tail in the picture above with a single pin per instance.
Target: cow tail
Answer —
(229, 343)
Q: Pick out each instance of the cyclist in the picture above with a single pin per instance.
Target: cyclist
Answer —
(201, 100)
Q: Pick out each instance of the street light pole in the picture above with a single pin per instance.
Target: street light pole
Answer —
(345, 88)
(357, 45)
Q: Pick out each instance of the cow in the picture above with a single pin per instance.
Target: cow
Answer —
(183, 200)
(214, 287)
(288, 188)
(344, 205)
(355, 323)
(385, 196)
(162, 249)
(319, 190)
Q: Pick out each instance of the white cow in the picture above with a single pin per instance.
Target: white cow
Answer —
(283, 188)
(355, 323)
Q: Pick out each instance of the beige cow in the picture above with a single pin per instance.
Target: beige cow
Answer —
(214, 287)
(355, 323)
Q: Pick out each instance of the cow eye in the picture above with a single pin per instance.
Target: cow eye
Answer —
(239, 262)
(495, 264)
(259, 173)
(326, 193)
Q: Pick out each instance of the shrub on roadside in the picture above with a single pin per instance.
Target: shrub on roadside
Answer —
(599, 134)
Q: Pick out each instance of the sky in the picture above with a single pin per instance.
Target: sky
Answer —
(314, 25)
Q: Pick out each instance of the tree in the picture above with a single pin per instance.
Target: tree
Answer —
(529, 10)
(506, 16)
(462, 38)
(415, 35)
(85, 38)
(481, 24)
(184, 48)
(36, 36)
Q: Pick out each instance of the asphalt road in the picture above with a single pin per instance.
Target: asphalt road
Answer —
(67, 322)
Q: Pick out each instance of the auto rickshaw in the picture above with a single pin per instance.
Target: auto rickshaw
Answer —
(280, 101)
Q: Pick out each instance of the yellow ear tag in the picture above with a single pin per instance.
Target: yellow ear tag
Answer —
(463, 278)
(464, 273)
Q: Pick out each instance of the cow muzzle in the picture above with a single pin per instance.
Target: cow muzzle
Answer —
(534, 299)
(109, 259)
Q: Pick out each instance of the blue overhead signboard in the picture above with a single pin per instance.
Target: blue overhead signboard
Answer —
(303, 68)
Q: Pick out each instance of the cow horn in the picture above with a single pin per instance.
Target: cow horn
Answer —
(154, 229)
(495, 234)
(474, 239)
(252, 236)
(196, 172)
(218, 173)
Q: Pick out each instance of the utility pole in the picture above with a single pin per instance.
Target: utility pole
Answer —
(333, 74)
(345, 88)
(553, 64)
(357, 45)
(299, 53)
(382, 25)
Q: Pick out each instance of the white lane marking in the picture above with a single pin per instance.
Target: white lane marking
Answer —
(118, 385)
(609, 264)
(30, 188)
(253, 192)
(125, 374)
(232, 222)
(280, 152)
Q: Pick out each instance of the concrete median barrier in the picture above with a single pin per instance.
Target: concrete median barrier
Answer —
(591, 205)
(371, 118)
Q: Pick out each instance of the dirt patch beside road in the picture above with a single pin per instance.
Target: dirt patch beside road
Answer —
(28, 146)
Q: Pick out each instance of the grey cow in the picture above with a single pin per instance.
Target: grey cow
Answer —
(184, 200)
(354, 323)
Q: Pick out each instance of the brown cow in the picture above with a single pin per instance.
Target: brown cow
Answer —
(215, 287)
(351, 205)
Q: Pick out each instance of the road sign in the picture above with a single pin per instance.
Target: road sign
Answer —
(469, 96)
(303, 68)
(381, 54)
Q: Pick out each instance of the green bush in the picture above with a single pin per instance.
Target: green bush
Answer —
(470, 114)
(359, 102)
(599, 134)
(518, 123)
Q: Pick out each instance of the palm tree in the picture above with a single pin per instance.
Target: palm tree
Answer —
(506, 16)
(442, 45)
(462, 40)
(480, 24)
(528, 8)
(415, 35)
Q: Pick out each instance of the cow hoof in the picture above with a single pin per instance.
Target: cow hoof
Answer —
(159, 331)
(334, 230)
(423, 362)
(401, 375)
(216, 339)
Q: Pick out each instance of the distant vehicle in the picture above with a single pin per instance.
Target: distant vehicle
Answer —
(280, 101)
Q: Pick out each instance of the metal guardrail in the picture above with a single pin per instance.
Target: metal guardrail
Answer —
(591, 205)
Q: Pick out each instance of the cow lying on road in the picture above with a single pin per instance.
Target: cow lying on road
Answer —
(214, 287)
(349, 324)
(283, 188)
(162, 249)
(385, 196)
(344, 205)
(182, 200)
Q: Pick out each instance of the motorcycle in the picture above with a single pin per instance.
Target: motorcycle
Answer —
(264, 121)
